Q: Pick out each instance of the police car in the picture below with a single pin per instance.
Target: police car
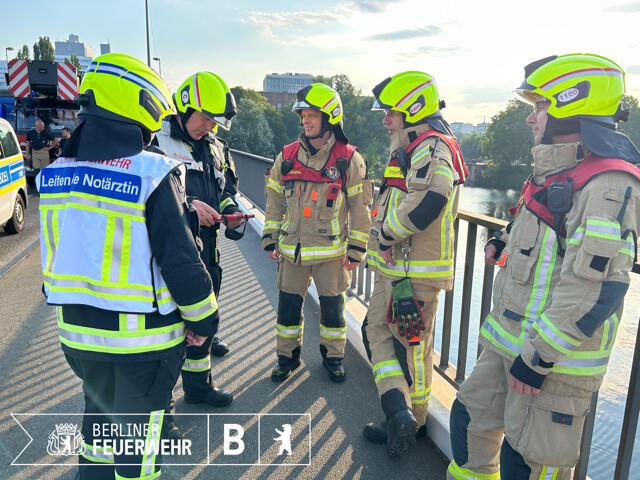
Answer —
(13, 184)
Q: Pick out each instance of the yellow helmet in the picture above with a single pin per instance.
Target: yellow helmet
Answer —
(319, 96)
(577, 85)
(206, 92)
(413, 93)
(584, 92)
(119, 87)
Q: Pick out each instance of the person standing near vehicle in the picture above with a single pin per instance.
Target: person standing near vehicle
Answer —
(316, 226)
(557, 299)
(38, 141)
(204, 102)
(120, 262)
(412, 250)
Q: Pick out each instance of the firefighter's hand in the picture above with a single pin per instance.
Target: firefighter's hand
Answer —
(348, 264)
(489, 254)
(274, 254)
(194, 340)
(206, 214)
(235, 223)
(387, 256)
(521, 387)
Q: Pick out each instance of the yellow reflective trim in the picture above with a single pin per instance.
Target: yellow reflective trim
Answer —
(107, 251)
(125, 251)
(393, 172)
(13, 186)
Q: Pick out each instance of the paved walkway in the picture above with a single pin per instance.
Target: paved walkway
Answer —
(35, 378)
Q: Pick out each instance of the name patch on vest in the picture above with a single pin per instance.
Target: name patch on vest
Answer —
(117, 185)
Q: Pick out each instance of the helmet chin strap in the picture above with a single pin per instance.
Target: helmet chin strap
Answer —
(325, 127)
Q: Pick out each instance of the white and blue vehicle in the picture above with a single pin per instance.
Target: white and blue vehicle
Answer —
(13, 183)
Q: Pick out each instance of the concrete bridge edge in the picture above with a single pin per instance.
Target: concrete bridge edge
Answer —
(438, 417)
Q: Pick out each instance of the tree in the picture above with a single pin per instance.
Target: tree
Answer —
(471, 146)
(75, 61)
(23, 53)
(291, 122)
(508, 139)
(250, 131)
(43, 50)
(631, 128)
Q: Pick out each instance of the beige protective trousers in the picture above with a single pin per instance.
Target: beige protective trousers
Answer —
(331, 280)
(395, 363)
(544, 430)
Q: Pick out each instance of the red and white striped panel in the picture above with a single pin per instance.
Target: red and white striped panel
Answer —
(67, 81)
(19, 78)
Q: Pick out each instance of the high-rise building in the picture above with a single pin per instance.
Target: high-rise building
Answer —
(83, 51)
(105, 48)
(286, 82)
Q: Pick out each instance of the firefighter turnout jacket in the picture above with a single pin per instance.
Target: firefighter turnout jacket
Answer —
(416, 209)
(119, 257)
(319, 211)
(558, 299)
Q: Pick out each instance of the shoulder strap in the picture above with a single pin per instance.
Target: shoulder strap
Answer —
(290, 152)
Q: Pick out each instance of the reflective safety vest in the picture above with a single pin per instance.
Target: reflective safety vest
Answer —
(334, 170)
(396, 170)
(182, 151)
(95, 243)
(535, 196)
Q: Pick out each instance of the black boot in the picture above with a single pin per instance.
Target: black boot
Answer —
(335, 368)
(219, 348)
(284, 367)
(401, 432)
(215, 397)
(376, 432)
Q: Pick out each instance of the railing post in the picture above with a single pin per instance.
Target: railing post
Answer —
(448, 311)
(630, 421)
(580, 472)
(487, 290)
(465, 313)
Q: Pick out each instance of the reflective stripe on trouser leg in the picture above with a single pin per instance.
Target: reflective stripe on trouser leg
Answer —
(386, 363)
(333, 328)
(455, 472)
(478, 417)
(197, 364)
(289, 326)
(420, 357)
(331, 280)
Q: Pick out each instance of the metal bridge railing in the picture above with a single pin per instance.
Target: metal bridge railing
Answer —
(251, 172)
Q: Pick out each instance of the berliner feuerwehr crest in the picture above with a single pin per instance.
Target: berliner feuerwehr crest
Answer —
(66, 440)
(332, 172)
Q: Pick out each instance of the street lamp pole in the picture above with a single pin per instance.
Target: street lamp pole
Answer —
(6, 55)
(146, 17)
(159, 65)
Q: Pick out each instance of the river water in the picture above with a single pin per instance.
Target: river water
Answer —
(612, 398)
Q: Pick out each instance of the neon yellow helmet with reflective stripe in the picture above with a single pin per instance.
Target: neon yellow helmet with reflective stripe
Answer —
(319, 96)
(413, 93)
(578, 84)
(206, 92)
(119, 87)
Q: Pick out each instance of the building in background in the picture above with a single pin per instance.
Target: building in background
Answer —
(286, 82)
(105, 48)
(461, 129)
(278, 99)
(83, 51)
(3, 71)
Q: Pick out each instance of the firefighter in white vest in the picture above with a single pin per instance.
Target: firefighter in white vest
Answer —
(204, 102)
(412, 250)
(558, 297)
(316, 226)
(121, 265)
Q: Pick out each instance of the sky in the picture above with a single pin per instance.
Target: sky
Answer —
(476, 50)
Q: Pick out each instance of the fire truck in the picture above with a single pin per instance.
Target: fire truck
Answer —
(47, 91)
